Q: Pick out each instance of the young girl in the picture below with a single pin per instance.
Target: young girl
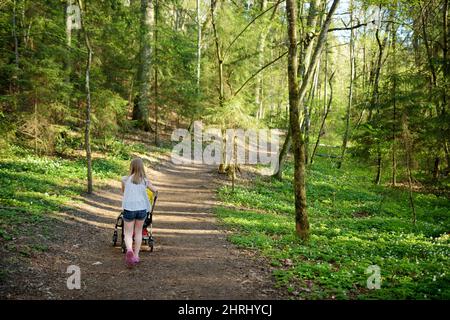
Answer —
(135, 205)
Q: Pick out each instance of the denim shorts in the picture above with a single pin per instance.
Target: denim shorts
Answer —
(132, 215)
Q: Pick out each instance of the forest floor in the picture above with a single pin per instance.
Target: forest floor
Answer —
(192, 258)
(212, 242)
(355, 226)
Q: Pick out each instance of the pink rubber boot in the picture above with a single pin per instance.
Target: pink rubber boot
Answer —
(129, 258)
(136, 260)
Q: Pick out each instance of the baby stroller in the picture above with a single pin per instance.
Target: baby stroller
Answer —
(147, 233)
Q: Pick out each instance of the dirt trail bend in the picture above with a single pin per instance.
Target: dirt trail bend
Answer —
(192, 258)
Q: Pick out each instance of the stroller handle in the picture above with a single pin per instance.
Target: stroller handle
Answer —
(152, 197)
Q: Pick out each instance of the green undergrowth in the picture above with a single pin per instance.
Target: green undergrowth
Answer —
(34, 186)
(354, 225)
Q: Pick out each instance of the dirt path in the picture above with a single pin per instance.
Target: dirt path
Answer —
(192, 258)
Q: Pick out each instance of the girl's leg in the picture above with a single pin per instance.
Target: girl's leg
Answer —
(128, 233)
(137, 236)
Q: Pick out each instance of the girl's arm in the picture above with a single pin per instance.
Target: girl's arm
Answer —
(151, 187)
(123, 184)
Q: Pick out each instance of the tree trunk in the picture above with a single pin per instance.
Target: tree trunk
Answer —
(87, 129)
(411, 198)
(430, 57)
(140, 112)
(446, 62)
(301, 217)
(222, 166)
(67, 61)
(15, 74)
(296, 97)
(219, 55)
(447, 155)
(394, 105)
(327, 110)
(315, 56)
(316, 53)
(36, 124)
(375, 97)
(408, 150)
(394, 149)
(259, 79)
(155, 66)
(379, 161)
(232, 167)
(87, 133)
(283, 153)
(325, 79)
(306, 125)
(437, 161)
(377, 71)
(350, 91)
(446, 72)
(305, 56)
(311, 25)
(199, 46)
(16, 42)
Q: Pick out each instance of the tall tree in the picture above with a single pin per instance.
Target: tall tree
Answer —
(140, 111)
(297, 94)
(324, 118)
(350, 89)
(374, 104)
(199, 44)
(87, 132)
(394, 105)
(155, 67)
(260, 80)
(301, 216)
(306, 45)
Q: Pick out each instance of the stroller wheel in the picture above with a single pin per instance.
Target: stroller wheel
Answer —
(123, 250)
(114, 238)
(150, 244)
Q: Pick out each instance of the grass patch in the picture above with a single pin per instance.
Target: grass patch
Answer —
(34, 186)
(354, 224)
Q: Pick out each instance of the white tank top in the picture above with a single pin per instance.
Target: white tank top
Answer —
(135, 195)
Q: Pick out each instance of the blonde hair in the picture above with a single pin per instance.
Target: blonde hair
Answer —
(137, 171)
